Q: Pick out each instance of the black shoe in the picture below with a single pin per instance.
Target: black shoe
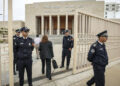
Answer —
(67, 68)
(43, 73)
(88, 84)
(30, 85)
(61, 66)
(50, 78)
(15, 73)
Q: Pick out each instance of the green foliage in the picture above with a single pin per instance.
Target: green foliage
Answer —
(3, 31)
(1, 41)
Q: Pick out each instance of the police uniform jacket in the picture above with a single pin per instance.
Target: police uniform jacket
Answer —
(15, 39)
(98, 54)
(24, 48)
(67, 42)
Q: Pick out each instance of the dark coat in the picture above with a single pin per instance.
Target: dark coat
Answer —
(15, 39)
(67, 42)
(24, 48)
(46, 50)
(98, 54)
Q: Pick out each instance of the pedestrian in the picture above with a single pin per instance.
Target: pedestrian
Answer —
(67, 48)
(25, 46)
(15, 38)
(37, 42)
(98, 57)
(46, 54)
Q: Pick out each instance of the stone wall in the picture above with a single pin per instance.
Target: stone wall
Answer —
(57, 8)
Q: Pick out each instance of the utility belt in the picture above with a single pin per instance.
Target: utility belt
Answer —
(65, 48)
(25, 58)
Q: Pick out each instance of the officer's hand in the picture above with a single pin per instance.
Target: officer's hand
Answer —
(72, 39)
(33, 44)
(70, 49)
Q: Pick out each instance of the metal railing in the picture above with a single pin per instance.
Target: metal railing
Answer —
(86, 26)
(4, 65)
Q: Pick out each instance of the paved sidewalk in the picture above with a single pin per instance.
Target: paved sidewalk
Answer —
(112, 77)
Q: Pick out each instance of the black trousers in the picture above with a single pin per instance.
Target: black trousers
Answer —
(15, 66)
(99, 77)
(66, 53)
(48, 67)
(22, 65)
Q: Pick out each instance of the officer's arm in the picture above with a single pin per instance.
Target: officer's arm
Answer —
(51, 49)
(13, 42)
(72, 42)
(16, 45)
(63, 42)
(91, 53)
(32, 44)
(16, 48)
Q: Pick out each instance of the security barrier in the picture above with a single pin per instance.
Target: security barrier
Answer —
(4, 65)
(86, 26)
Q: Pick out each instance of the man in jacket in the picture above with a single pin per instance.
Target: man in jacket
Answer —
(99, 58)
(15, 38)
(67, 48)
(25, 46)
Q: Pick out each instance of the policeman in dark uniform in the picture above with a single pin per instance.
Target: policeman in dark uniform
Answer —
(15, 38)
(99, 58)
(25, 46)
(67, 48)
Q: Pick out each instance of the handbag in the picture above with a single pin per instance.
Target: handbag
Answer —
(54, 63)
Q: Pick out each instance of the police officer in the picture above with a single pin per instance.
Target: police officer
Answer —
(25, 46)
(15, 38)
(99, 58)
(67, 47)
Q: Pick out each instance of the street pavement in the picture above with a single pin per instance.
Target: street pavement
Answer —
(112, 77)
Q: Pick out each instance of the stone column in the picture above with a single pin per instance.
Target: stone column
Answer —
(66, 24)
(50, 25)
(72, 26)
(42, 25)
(58, 25)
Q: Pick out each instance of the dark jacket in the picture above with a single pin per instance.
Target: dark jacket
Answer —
(24, 48)
(67, 42)
(15, 39)
(46, 50)
(98, 54)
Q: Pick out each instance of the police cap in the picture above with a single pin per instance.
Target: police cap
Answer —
(25, 29)
(103, 34)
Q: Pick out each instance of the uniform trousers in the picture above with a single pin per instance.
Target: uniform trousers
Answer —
(99, 77)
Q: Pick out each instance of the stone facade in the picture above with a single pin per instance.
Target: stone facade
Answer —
(58, 9)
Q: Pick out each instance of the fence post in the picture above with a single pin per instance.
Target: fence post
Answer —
(10, 43)
(0, 68)
(75, 40)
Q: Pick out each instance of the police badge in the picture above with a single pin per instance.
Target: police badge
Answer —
(29, 44)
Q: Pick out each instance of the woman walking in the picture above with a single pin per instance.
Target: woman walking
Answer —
(46, 54)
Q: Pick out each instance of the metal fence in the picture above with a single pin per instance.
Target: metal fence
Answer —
(85, 29)
(4, 65)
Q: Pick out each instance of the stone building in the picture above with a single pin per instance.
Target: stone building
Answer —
(52, 18)
(112, 10)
